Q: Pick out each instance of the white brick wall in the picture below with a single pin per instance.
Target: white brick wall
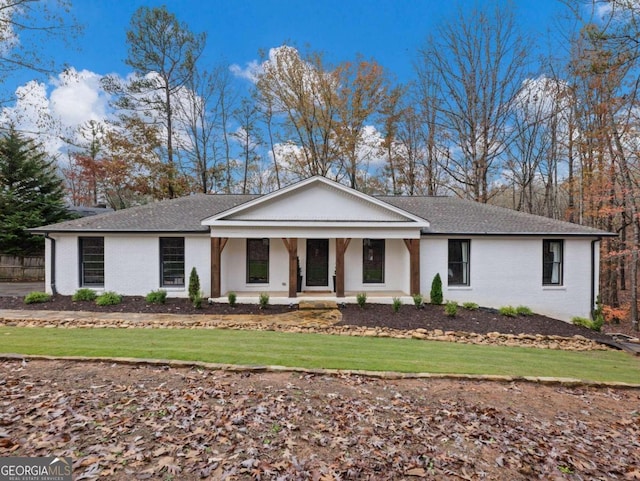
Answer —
(132, 264)
(504, 270)
(508, 271)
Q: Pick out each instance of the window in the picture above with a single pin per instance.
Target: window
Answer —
(91, 261)
(552, 262)
(257, 261)
(373, 261)
(459, 262)
(171, 261)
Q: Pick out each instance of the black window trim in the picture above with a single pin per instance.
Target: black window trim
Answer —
(383, 250)
(162, 263)
(81, 262)
(466, 264)
(548, 282)
(265, 242)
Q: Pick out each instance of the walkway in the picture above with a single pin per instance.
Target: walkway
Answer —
(19, 289)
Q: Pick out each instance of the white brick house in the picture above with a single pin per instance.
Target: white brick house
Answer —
(338, 241)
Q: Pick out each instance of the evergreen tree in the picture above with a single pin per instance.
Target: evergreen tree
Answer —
(436, 290)
(31, 194)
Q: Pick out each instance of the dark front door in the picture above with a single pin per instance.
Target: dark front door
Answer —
(318, 262)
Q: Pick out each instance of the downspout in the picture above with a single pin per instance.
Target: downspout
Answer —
(53, 263)
(592, 309)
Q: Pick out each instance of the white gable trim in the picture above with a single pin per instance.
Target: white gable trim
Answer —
(387, 215)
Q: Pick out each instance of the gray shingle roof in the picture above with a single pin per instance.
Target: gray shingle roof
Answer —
(176, 215)
(447, 215)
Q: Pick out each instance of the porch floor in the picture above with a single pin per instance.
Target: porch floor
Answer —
(282, 297)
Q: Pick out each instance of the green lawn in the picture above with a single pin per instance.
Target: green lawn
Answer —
(321, 351)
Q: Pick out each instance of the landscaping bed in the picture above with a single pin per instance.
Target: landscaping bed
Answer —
(430, 317)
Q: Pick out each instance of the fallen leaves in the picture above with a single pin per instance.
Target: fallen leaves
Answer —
(150, 422)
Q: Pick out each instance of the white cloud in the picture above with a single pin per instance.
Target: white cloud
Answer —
(250, 72)
(369, 146)
(78, 97)
(52, 111)
(31, 115)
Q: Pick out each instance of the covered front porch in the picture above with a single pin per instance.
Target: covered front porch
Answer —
(315, 236)
(334, 268)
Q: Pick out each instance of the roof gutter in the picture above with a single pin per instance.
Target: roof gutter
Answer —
(593, 306)
(53, 263)
(599, 235)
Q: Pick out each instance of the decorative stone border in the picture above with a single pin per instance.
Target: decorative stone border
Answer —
(390, 375)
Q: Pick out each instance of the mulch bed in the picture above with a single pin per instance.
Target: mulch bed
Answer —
(430, 317)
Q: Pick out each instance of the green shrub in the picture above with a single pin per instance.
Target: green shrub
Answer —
(197, 300)
(524, 311)
(598, 315)
(451, 308)
(418, 300)
(508, 311)
(581, 321)
(233, 299)
(36, 297)
(194, 284)
(397, 304)
(361, 298)
(157, 297)
(108, 298)
(470, 306)
(264, 300)
(436, 290)
(596, 324)
(84, 294)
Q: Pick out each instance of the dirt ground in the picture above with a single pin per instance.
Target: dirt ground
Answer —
(122, 422)
(129, 422)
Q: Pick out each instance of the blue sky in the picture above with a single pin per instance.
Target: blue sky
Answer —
(389, 31)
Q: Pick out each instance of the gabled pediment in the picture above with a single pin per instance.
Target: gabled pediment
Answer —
(317, 200)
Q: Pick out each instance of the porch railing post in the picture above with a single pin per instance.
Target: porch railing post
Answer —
(215, 266)
(414, 266)
(341, 247)
(292, 248)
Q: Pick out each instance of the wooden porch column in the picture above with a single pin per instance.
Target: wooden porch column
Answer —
(292, 248)
(413, 245)
(217, 246)
(341, 247)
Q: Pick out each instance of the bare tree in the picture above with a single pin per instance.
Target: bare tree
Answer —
(249, 138)
(203, 111)
(478, 59)
(266, 108)
(427, 95)
(391, 112)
